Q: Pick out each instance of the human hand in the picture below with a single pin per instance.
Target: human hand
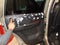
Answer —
(11, 24)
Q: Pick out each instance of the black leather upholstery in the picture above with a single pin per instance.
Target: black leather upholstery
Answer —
(32, 35)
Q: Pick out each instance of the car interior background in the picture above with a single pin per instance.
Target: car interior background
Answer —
(31, 18)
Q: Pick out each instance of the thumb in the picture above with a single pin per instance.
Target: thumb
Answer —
(10, 20)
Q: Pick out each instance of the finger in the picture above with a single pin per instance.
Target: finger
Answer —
(11, 20)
